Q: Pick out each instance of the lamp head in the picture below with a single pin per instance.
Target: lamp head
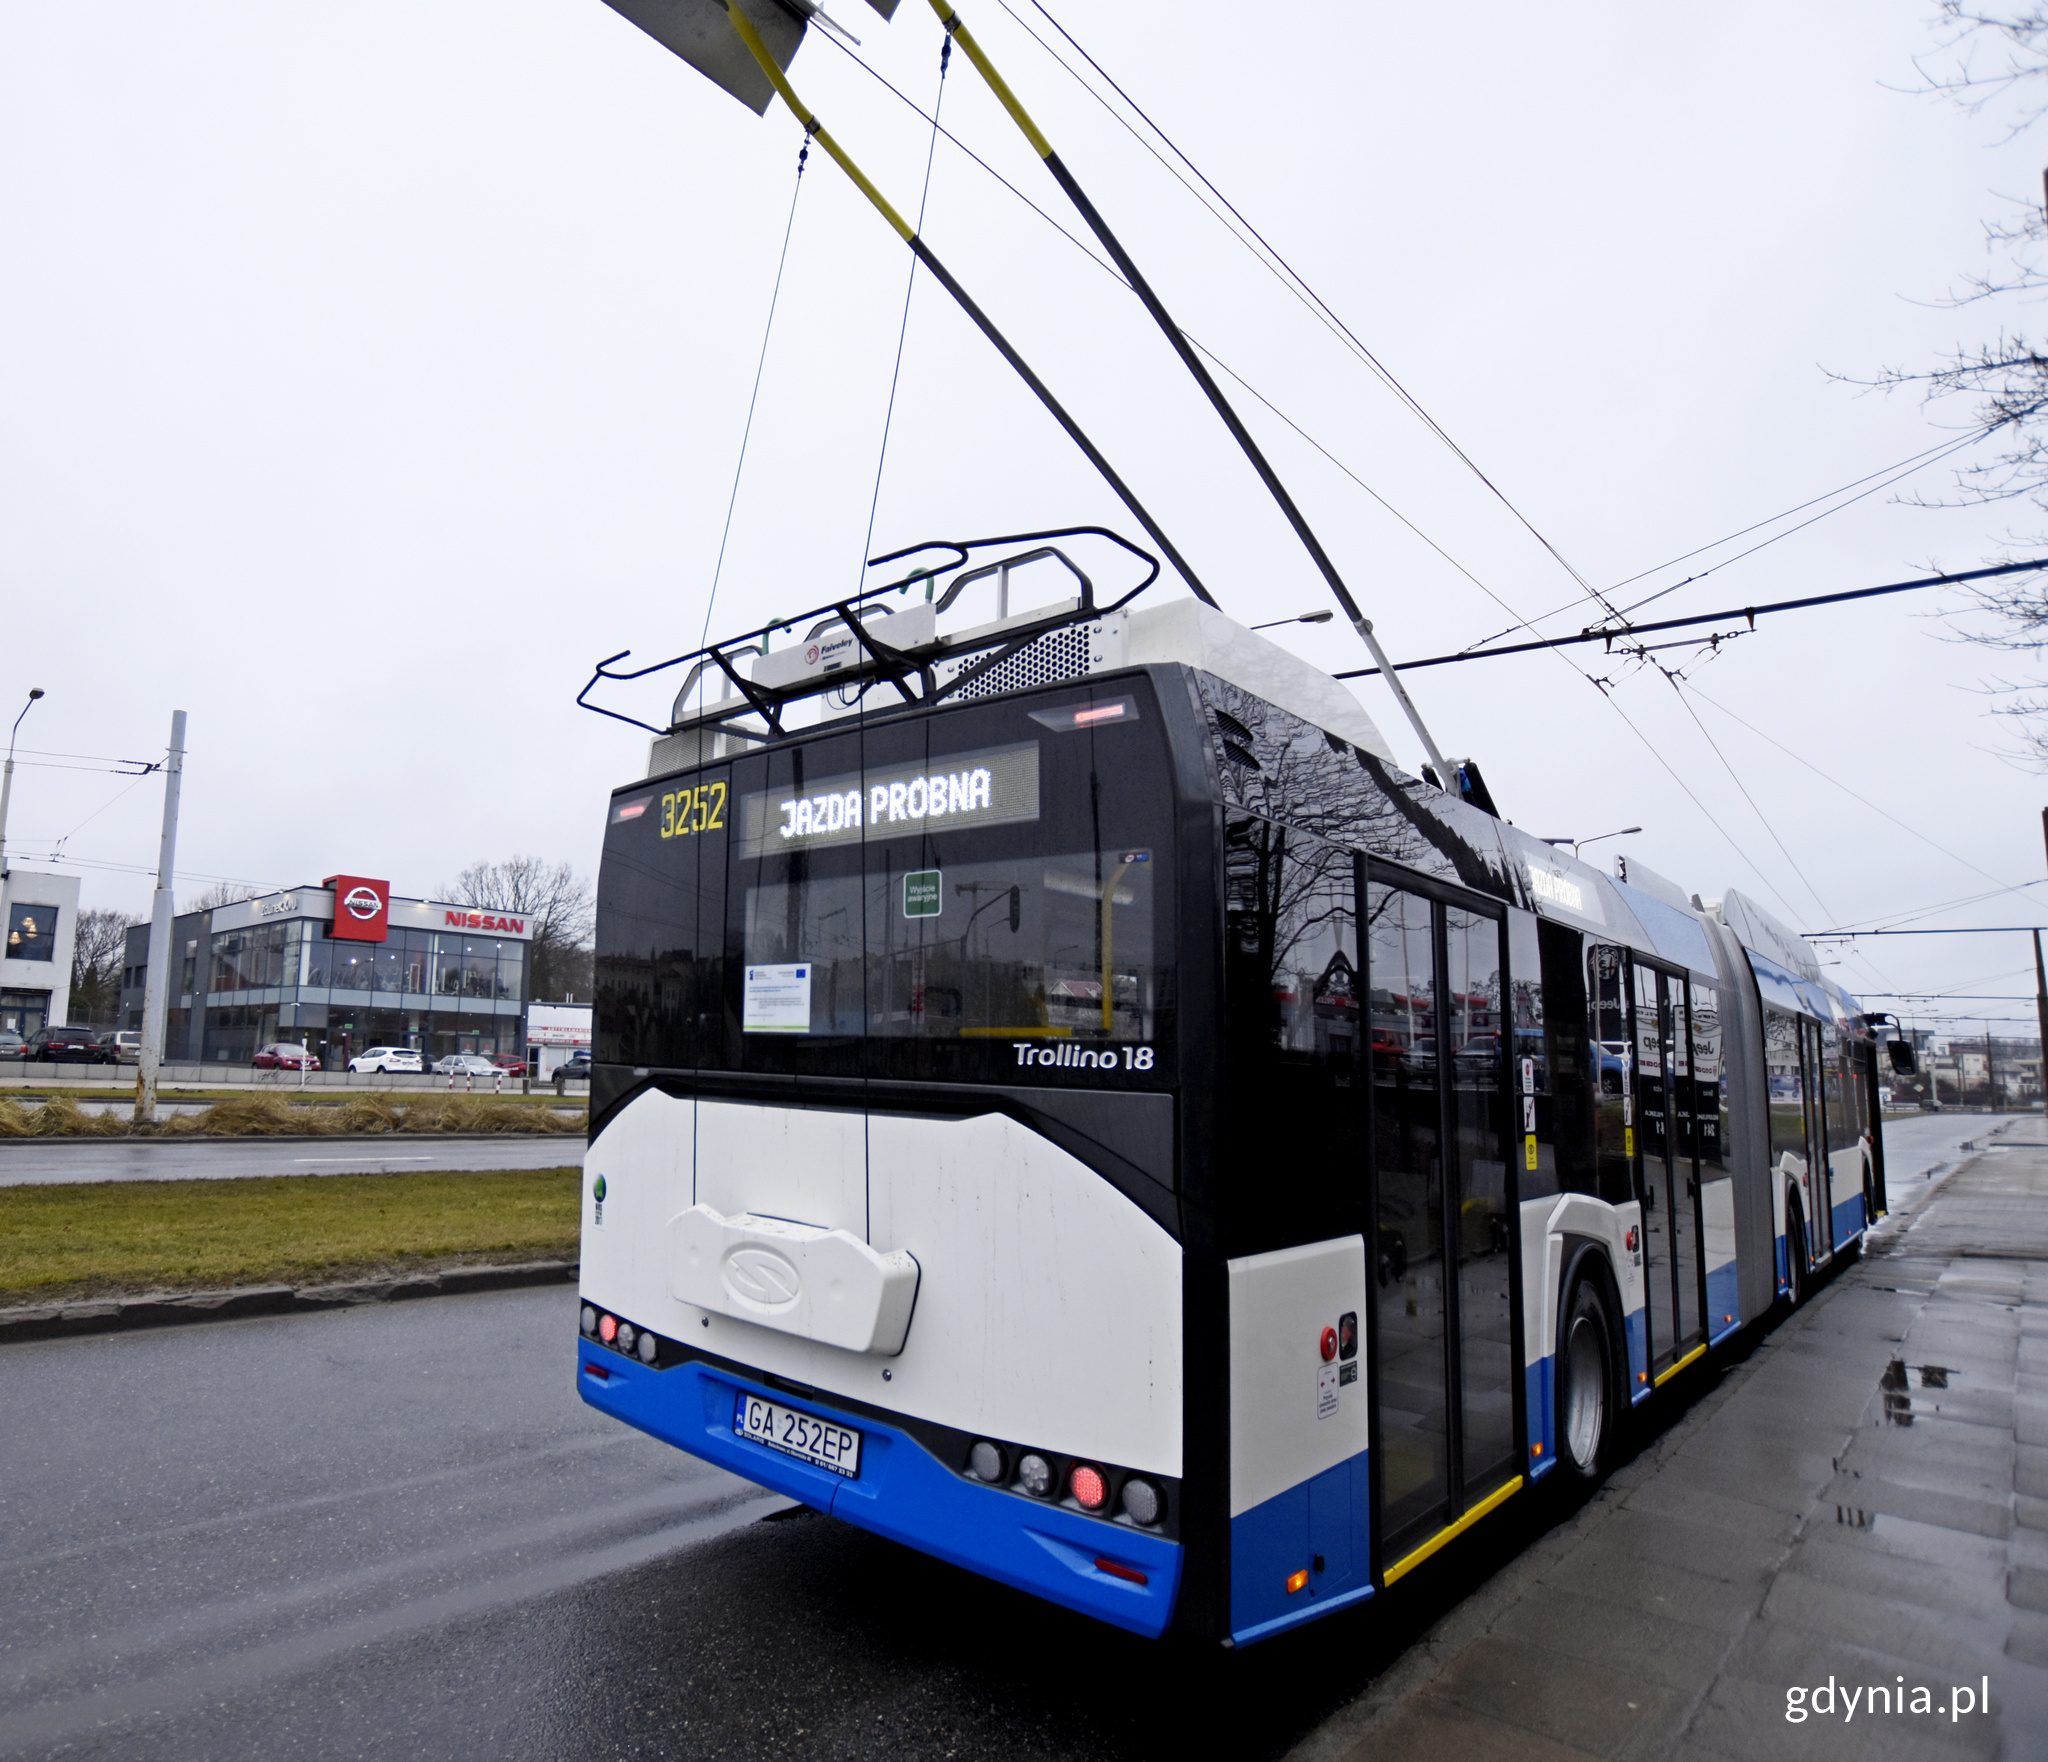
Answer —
(34, 692)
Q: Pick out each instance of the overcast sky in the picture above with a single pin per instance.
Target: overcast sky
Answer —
(366, 372)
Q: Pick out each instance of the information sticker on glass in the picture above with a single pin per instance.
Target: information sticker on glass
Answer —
(777, 1000)
(924, 896)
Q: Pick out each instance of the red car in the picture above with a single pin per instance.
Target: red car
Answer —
(281, 1055)
(508, 1062)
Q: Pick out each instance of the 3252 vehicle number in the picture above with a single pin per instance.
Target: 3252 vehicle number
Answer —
(689, 811)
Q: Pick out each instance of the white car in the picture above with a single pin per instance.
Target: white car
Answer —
(387, 1059)
(465, 1064)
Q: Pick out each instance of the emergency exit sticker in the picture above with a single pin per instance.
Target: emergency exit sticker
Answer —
(923, 894)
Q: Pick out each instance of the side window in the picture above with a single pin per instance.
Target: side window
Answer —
(1843, 1127)
(1614, 1123)
(1565, 1106)
(1294, 1041)
(1709, 1080)
(1532, 1072)
(1782, 1076)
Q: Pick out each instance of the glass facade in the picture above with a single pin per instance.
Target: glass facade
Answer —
(439, 991)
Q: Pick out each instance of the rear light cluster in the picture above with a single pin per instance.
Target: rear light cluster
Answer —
(605, 1329)
(1079, 1485)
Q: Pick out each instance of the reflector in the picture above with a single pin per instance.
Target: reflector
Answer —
(1297, 1581)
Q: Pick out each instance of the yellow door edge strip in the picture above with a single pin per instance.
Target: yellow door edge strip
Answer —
(1666, 1376)
(1409, 1562)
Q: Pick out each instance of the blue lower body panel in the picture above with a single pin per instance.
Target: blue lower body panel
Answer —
(1724, 1311)
(1637, 1328)
(1539, 1396)
(905, 1493)
(1849, 1221)
(1328, 1518)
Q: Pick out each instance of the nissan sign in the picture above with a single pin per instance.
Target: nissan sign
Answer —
(362, 908)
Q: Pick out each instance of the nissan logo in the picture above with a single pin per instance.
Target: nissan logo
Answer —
(760, 1275)
(363, 903)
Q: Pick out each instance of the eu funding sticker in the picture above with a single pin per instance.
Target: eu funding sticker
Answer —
(777, 1000)
(924, 896)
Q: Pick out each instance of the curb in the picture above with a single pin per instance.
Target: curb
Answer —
(56, 1321)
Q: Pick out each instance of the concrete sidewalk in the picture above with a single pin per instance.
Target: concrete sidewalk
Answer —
(1863, 1499)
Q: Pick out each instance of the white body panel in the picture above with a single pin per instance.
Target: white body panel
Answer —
(822, 1285)
(1545, 1223)
(806, 1164)
(1283, 1427)
(1717, 1214)
(1048, 1306)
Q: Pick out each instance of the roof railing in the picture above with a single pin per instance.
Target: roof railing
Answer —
(910, 668)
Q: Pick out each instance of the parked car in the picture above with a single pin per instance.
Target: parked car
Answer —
(464, 1064)
(508, 1062)
(388, 1059)
(282, 1055)
(12, 1046)
(69, 1046)
(576, 1065)
(124, 1043)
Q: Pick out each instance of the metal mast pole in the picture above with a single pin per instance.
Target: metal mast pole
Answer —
(155, 987)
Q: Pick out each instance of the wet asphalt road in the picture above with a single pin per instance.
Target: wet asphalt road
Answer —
(395, 1531)
(46, 1161)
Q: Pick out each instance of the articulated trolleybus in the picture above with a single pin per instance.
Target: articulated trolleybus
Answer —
(1065, 1101)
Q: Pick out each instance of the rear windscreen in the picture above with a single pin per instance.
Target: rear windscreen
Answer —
(977, 894)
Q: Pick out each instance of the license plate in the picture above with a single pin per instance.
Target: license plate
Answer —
(821, 1442)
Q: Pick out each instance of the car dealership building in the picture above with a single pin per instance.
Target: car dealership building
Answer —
(343, 966)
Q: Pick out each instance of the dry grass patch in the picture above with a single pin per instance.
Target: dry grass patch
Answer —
(93, 1239)
(257, 1116)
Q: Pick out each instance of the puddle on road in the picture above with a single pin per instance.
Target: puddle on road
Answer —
(1895, 1388)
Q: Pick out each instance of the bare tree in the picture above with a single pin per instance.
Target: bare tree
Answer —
(555, 899)
(219, 894)
(1992, 58)
(99, 951)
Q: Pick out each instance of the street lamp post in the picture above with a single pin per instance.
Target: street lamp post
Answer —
(1579, 844)
(6, 790)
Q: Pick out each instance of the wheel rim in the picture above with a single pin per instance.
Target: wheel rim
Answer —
(1586, 1393)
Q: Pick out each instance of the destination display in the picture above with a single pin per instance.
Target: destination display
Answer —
(994, 787)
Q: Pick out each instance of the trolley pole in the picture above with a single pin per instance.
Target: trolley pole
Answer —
(156, 985)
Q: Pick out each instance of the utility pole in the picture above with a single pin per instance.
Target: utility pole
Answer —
(154, 998)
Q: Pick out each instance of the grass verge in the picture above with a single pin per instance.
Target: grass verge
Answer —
(121, 1238)
(251, 1116)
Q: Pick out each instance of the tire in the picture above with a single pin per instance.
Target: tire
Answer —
(1795, 1255)
(1585, 1385)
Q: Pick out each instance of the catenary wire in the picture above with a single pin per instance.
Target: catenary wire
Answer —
(903, 327)
(1297, 283)
(1400, 391)
(754, 397)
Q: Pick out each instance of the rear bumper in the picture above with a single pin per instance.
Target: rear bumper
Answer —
(903, 1492)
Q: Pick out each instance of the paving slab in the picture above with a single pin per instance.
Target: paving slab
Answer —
(1859, 1504)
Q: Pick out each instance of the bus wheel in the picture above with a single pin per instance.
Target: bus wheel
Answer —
(1585, 1383)
(1795, 1256)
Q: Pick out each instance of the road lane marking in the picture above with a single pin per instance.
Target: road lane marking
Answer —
(362, 1159)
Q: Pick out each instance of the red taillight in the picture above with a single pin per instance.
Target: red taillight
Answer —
(1116, 1569)
(1089, 1487)
(608, 1329)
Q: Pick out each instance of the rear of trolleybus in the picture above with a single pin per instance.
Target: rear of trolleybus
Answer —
(880, 1206)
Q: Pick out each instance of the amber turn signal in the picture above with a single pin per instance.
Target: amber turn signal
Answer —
(1297, 1581)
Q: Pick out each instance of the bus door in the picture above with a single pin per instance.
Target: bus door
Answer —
(1820, 1180)
(1444, 1316)
(1666, 1173)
